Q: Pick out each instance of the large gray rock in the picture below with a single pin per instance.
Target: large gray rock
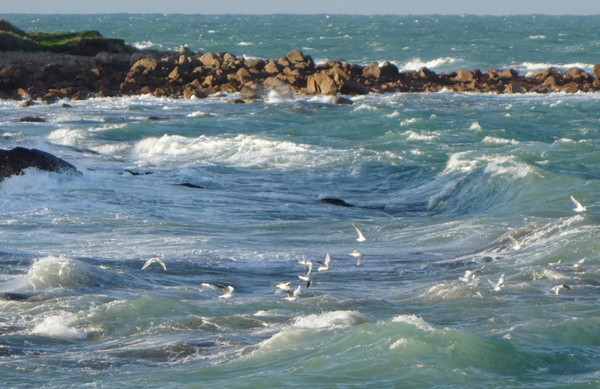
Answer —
(14, 161)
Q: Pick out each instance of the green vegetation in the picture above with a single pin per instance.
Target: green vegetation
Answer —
(49, 40)
(87, 43)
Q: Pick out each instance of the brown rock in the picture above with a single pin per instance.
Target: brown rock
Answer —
(295, 56)
(145, 64)
(597, 71)
(193, 91)
(571, 87)
(513, 87)
(465, 75)
(321, 83)
(271, 67)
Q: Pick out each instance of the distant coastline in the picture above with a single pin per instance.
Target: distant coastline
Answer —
(84, 65)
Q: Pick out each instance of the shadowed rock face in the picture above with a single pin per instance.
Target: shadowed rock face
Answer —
(13, 162)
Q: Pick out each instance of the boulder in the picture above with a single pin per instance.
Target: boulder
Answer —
(14, 161)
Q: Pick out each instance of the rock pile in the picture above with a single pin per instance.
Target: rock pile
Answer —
(184, 74)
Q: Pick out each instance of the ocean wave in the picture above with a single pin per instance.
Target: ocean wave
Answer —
(418, 63)
(241, 150)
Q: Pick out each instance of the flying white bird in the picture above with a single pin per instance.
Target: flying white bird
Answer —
(556, 289)
(577, 266)
(285, 286)
(153, 260)
(361, 237)
(498, 285)
(578, 206)
(293, 295)
(469, 276)
(306, 278)
(358, 255)
(324, 265)
(516, 244)
(227, 291)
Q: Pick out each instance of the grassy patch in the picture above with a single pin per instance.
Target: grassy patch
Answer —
(54, 39)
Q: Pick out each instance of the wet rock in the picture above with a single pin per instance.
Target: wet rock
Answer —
(14, 161)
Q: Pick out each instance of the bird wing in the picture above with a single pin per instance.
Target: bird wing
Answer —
(361, 237)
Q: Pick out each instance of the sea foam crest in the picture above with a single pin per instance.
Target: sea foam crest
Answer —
(56, 272)
(418, 63)
(60, 326)
(241, 150)
(494, 164)
(330, 320)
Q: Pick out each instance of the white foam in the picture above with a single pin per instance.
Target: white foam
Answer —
(67, 137)
(529, 67)
(412, 135)
(244, 43)
(145, 45)
(332, 319)
(494, 164)
(241, 150)
(494, 140)
(418, 63)
(415, 321)
(60, 326)
(475, 126)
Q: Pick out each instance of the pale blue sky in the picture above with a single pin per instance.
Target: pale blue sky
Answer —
(490, 7)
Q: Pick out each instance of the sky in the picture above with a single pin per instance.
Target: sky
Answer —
(397, 7)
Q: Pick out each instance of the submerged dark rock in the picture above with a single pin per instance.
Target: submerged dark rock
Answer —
(336, 201)
(13, 162)
(190, 185)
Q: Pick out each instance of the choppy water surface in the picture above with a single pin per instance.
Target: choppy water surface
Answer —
(440, 184)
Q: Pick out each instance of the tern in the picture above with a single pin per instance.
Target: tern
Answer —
(157, 260)
(285, 286)
(578, 206)
(498, 285)
(577, 266)
(293, 295)
(556, 289)
(227, 291)
(324, 265)
(361, 237)
(516, 244)
(469, 276)
(306, 278)
(358, 255)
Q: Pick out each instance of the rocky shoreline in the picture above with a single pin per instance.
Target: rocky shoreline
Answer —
(48, 77)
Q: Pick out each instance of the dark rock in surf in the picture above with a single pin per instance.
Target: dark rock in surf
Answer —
(32, 119)
(335, 201)
(190, 185)
(13, 162)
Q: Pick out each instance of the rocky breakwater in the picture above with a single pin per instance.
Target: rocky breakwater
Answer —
(97, 69)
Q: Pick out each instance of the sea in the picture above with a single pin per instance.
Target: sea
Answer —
(478, 268)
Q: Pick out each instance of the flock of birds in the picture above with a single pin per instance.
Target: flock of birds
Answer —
(471, 277)
(292, 293)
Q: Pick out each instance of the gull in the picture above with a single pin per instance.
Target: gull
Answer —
(516, 244)
(227, 291)
(285, 286)
(361, 237)
(469, 275)
(358, 255)
(497, 286)
(293, 295)
(157, 260)
(306, 278)
(556, 289)
(303, 261)
(324, 265)
(578, 206)
(577, 266)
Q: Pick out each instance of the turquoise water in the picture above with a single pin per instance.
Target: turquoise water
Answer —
(441, 183)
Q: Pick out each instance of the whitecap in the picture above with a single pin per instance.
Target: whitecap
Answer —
(495, 140)
(418, 63)
(415, 321)
(244, 43)
(60, 326)
(332, 319)
(67, 137)
(475, 126)
(421, 137)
